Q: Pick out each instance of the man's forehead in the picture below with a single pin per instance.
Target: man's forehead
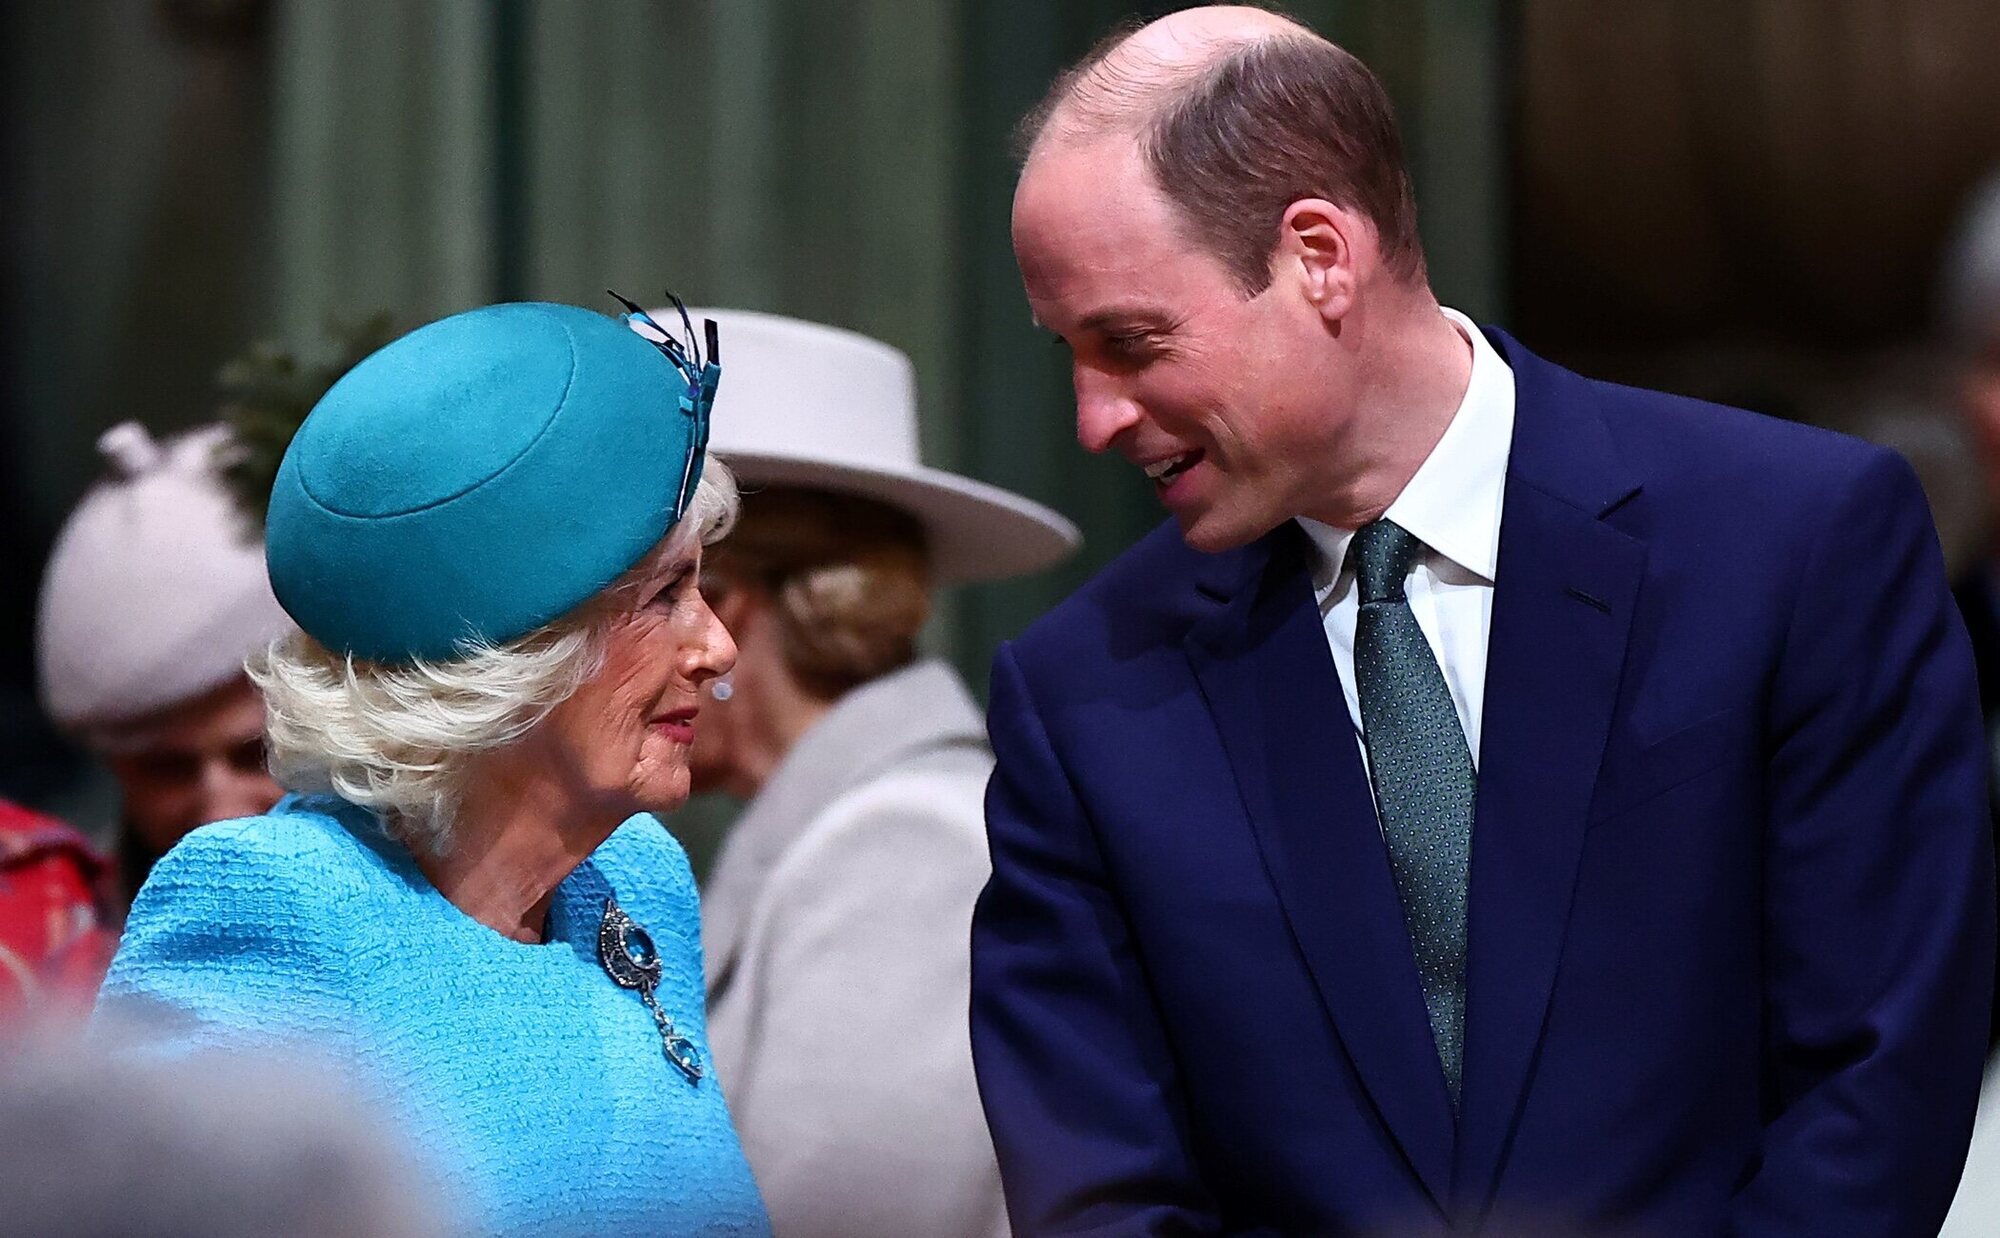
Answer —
(1080, 196)
(1122, 144)
(1067, 171)
(1096, 252)
(1078, 280)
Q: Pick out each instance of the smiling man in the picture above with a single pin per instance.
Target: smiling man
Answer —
(1498, 801)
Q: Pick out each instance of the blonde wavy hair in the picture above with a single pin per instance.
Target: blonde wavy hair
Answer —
(398, 738)
(849, 581)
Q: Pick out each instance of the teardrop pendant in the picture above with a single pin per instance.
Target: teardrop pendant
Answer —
(629, 957)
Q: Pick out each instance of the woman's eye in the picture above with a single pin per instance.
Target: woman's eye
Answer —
(671, 592)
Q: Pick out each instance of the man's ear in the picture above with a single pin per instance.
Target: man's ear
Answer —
(1328, 251)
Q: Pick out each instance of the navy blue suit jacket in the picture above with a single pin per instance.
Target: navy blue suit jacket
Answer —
(1732, 917)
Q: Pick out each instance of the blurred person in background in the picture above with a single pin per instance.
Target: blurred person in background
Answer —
(490, 536)
(55, 938)
(156, 592)
(1495, 793)
(154, 595)
(216, 1146)
(1971, 329)
(836, 919)
(1971, 322)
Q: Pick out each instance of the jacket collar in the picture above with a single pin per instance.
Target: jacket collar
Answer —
(1564, 448)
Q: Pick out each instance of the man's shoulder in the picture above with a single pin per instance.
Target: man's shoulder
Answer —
(1689, 472)
(1146, 596)
(1687, 449)
(1667, 437)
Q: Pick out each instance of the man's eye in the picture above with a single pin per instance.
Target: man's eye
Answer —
(1128, 345)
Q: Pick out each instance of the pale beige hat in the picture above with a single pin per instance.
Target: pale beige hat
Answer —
(802, 404)
(156, 590)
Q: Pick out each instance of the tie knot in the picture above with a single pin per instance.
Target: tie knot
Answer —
(1383, 553)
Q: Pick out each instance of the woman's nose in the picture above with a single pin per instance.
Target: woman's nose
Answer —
(714, 652)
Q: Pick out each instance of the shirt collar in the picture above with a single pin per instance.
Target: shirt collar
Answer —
(1452, 504)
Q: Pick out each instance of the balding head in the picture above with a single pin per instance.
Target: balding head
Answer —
(1240, 112)
(1123, 82)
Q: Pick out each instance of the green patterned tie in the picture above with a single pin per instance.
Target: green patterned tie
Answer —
(1423, 776)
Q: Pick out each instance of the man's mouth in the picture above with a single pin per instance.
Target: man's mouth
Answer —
(1162, 472)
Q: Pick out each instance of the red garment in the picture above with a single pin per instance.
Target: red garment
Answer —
(54, 943)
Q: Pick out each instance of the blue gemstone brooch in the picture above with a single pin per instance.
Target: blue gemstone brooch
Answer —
(628, 954)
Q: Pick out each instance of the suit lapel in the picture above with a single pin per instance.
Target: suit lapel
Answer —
(1566, 586)
(1568, 582)
(1268, 677)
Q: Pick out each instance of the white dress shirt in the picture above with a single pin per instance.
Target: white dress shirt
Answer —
(1452, 506)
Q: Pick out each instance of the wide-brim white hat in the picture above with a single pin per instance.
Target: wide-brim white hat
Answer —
(802, 404)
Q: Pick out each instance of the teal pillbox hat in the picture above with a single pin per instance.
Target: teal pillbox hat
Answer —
(476, 479)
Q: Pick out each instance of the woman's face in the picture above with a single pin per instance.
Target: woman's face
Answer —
(620, 744)
(713, 765)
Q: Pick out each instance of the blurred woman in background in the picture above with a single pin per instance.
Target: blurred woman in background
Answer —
(154, 595)
(489, 534)
(838, 913)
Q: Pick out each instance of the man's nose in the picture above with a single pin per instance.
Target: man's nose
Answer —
(1103, 409)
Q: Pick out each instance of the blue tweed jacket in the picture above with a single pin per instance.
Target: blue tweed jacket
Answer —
(537, 1086)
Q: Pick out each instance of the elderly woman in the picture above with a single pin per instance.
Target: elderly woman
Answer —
(489, 534)
(839, 910)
